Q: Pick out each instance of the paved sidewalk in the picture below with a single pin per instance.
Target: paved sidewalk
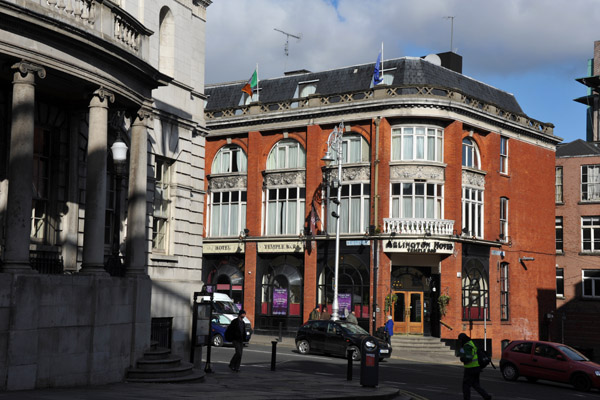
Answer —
(253, 382)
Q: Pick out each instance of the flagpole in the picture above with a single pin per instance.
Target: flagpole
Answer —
(382, 61)
(257, 91)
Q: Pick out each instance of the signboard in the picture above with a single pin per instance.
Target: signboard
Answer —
(279, 301)
(280, 247)
(202, 323)
(418, 246)
(223, 248)
(344, 303)
(357, 242)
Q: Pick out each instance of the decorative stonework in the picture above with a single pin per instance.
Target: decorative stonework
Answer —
(228, 182)
(26, 68)
(358, 173)
(285, 178)
(429, 172)
(473, 178)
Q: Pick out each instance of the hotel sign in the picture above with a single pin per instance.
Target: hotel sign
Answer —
(223, 248)
(418, 246)
(280, 247)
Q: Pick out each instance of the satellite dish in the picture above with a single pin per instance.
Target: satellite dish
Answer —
(434, 59)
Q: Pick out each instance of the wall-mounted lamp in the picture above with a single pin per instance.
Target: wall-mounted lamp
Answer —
(244, 233)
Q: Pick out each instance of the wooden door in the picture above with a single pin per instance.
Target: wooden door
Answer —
(407, 313)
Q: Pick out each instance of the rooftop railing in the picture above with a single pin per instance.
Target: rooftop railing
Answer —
(380, 93)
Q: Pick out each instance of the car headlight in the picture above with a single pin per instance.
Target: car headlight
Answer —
(597, 373)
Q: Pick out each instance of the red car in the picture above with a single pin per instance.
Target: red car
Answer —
(549, 361)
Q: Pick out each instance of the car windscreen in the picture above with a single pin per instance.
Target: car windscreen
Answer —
(573, 354)
(353, 328)
(225, 307)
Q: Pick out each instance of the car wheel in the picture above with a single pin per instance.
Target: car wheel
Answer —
(355, 353)
(303, 346)
(217, 340)
(581, 382)
(532, 379)
(510, 372)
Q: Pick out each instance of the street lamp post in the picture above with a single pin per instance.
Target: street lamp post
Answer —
(119, 153)
(334, 143)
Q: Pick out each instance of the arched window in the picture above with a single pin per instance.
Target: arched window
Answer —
(353, 286)
(308, 89)
(229, 159)
(286, 154)
(281, 289)
(413, 143)
(355, 149)
(166, 38)
(227, 276)
(470, 154)
(474, 290)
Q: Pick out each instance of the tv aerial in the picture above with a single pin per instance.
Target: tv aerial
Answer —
(286, 49)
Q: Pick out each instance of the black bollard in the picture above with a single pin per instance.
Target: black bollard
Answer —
(273, 354)
(349, 370)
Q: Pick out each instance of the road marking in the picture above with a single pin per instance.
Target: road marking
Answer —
(322, 373)
(395, 383)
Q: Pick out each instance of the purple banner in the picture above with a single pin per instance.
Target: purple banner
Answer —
(280, 301)
(344, 303)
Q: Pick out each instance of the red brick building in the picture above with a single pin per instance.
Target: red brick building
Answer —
(446, 192)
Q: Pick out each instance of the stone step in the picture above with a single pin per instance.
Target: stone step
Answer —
(162, 363)
(195, 376)
(182, 370)
(157, 353)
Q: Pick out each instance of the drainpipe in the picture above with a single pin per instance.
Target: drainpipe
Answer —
(375, 219)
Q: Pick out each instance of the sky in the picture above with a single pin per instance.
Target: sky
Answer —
(534, 49)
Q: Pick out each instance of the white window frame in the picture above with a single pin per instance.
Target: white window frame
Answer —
(504, 218)
(279, 197)
(417, 143)
(230, 204)
(162, 204)
(503, 155)
(473, 211)
(558, 182)
(591, 224)
(559, 227)
(560, 277)
(504, 292)
(470, 154)
(360, 149)
(590, 183)
(223, 161)
(354, 209)
(283, 152)
(594, 286)
(404, 193)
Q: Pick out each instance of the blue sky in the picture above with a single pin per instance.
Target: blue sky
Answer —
(534, 49)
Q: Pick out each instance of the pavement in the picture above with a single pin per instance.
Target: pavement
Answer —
(253, 382)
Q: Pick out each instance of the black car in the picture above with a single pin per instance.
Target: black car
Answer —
(335, 337)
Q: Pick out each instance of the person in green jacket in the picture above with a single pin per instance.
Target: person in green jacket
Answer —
(468, 355)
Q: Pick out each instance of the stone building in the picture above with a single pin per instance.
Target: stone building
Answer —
(90, 242)
(445, 209)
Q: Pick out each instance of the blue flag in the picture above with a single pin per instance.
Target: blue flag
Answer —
(377, 75)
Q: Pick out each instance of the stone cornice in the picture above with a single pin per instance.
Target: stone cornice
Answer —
(413, 171)
(473, 178)
(220, 182)
(284, 178)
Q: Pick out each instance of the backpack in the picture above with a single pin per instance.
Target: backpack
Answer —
(482, 358)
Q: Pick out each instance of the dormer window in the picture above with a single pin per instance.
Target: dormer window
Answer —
(306, 88)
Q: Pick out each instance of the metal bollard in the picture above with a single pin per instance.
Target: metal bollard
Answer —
(273, 354)
(349, 369)
(280, 330)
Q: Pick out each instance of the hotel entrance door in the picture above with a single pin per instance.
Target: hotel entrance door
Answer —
(407, 313)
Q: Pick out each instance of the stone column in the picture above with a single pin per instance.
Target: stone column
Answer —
(95, 188)
(137, 226)
(20, 174)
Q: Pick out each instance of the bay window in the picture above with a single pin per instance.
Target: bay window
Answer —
(417, 200)
(413, 143)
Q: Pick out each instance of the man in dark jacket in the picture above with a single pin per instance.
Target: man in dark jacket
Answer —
(237, 334)
(468, 355)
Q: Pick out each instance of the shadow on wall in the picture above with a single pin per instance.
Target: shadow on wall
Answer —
(576, 323)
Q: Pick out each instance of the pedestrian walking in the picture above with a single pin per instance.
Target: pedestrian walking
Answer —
(315, 314)
(468, 355)
(236, 334)
(352, 318)
(389, 328)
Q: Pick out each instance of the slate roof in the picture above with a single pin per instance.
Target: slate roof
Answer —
(408, 71)
(577, 148)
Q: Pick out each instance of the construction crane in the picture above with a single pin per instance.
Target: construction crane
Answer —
(287, 40)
